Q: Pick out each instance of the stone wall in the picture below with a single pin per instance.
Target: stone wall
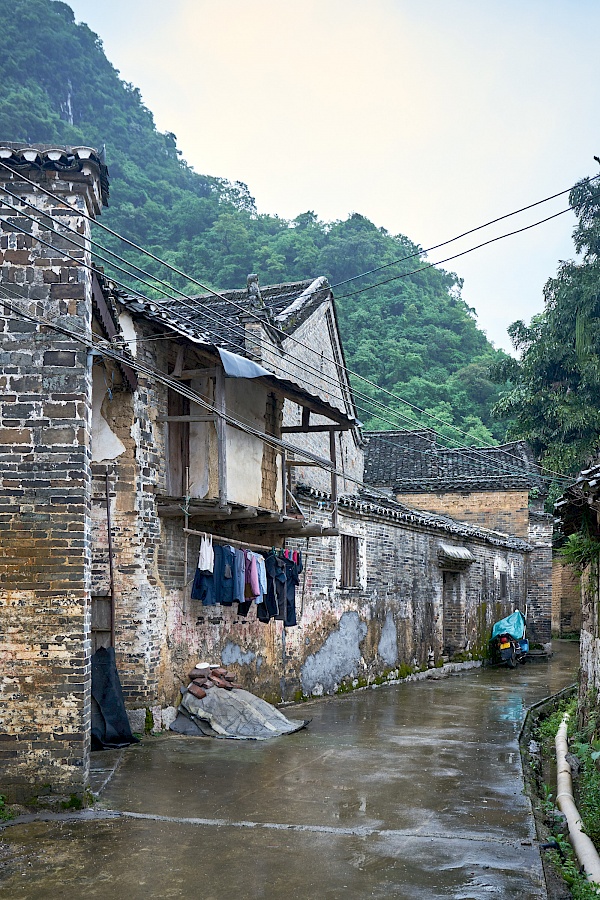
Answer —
(45, 404)
(137, 474)
(505, 511)
(566, 599)
(589, 672)
(539, 594)
(398, 607)
(393, 617)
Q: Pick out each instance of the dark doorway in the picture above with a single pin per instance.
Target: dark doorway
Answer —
(454, 614)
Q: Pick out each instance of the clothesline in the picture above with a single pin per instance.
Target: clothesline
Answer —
(266, 578)
(219, 539)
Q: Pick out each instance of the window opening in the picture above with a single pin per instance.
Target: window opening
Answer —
(503, 585)
(349, 561)
(178, 444)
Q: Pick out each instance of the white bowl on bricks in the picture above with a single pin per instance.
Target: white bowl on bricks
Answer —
(55, 154)
(83, 152)
(30, 154)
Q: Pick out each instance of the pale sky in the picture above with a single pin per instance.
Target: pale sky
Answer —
(429, 117)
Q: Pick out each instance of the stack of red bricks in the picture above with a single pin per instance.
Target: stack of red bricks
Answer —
(204, 676)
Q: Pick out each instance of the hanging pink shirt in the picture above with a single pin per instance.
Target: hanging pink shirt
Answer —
(252, 583)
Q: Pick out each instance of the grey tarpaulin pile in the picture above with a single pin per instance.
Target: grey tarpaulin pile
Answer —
(235, 714)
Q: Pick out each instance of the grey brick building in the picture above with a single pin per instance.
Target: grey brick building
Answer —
(129, 426)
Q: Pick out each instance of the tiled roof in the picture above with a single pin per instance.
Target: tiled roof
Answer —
(580, 501)
(412, 462)
(226, 312)
(284, 305)
(22, 157)
(374, 504)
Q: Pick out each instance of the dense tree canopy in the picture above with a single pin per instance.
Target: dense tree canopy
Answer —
(555, 396)
(413, 336)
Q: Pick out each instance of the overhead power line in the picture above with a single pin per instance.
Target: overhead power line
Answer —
(286, 336)
(500, 237)
(91, 341)
(4, 289)
(464, 234)
(194, 324)
(321, 375)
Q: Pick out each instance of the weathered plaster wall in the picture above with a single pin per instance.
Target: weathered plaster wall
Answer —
(316, 348)
(506, 511)
(135, 478)
(45, 424)
(105, 443)
(393, 617)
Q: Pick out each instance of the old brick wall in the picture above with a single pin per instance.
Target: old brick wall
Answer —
(136, 475)
(589, 642)
(398, 607)
(45, 507)
(539, 594)
(566, 599)
(394, 616)
(505, 511)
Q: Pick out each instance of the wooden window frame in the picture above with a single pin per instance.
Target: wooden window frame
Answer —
(349, 561)
(178, 444)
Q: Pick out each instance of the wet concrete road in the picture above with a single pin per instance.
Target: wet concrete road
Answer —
(410, 791)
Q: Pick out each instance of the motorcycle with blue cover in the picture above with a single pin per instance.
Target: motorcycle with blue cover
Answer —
(508, 644)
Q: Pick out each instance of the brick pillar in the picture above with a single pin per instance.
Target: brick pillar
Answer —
(45, 496)
(539, 593)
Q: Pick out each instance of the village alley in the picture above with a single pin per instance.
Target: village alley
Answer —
(408, 791)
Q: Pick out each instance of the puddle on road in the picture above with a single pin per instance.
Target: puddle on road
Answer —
(431, 770)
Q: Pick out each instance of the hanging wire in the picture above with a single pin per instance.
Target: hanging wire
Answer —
(194, 303)
(90, 340)
(320, 374)
(285, 334)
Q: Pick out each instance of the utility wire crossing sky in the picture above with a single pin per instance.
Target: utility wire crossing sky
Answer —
(194, 305)
(425, 117)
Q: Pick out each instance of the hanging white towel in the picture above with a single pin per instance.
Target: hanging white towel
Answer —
(206, 559)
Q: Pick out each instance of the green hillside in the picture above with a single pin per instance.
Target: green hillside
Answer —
(414, 336)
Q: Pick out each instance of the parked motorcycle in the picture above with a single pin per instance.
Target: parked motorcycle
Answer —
(508, 644)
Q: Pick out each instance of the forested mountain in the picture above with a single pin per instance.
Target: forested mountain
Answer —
(413, 336)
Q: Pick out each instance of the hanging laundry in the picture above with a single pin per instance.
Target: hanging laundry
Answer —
(203, 588)
(226, 575)
(252, 586)
(279, 602)
(292, 570)
(223, 574)
(206, 557)
(262, 576)
(239, 577)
